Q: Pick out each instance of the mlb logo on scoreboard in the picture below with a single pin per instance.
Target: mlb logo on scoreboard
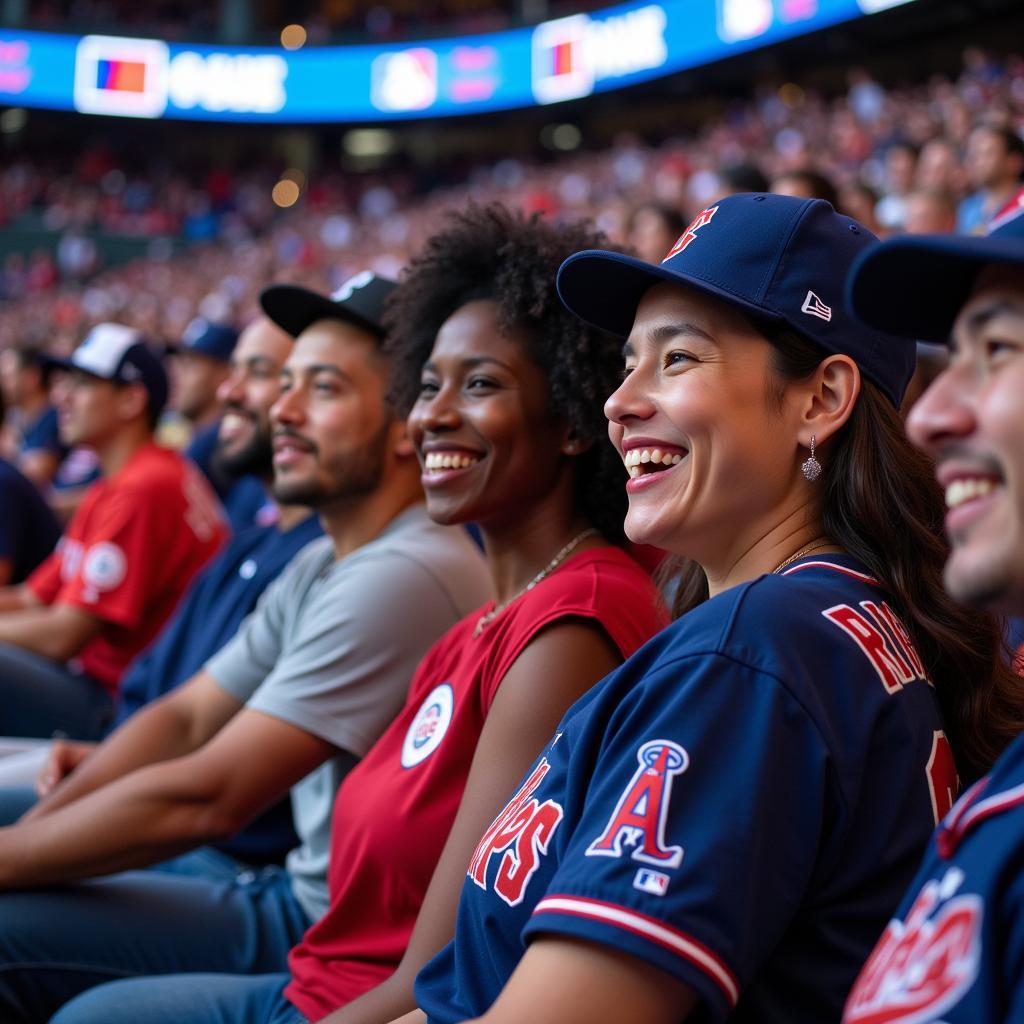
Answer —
(405, 80)
(561, 65)
(126, 77)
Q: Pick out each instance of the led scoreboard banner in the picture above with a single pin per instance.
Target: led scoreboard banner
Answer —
(565, 59)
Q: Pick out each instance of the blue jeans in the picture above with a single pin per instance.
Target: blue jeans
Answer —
(185, 999)
(39, 696)
(57, 943)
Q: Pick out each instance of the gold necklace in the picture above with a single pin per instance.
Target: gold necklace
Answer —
(819, 543)
(488, 617)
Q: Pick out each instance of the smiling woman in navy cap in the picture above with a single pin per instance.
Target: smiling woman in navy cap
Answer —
(719, 830)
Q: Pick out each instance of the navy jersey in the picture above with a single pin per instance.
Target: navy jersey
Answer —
(742, 804)
(244, 498)
(42, 434)
(955, 950)
(29, 531)
(211, 611)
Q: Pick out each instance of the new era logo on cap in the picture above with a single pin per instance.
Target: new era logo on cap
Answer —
(813, 306)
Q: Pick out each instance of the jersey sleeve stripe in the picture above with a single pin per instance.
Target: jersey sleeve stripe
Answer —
(646, 927)
(863, 577)
(951, 835)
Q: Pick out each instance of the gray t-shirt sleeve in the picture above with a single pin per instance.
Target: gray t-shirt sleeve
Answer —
(345, 672)
(249, 656)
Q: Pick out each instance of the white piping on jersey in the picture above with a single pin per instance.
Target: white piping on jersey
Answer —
(678, 942)
(833, 566)
(963, 820)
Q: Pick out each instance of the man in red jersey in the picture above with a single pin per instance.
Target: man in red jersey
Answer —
(138, 537)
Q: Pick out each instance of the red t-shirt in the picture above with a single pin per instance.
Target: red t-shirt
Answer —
(393, 812)
(128, 554)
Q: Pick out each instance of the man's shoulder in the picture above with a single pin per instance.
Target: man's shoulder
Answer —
(151, 470)
(415, 536)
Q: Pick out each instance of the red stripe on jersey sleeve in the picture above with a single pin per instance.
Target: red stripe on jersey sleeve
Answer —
(649, 928)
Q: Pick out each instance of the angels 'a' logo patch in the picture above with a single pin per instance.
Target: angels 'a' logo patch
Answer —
(924, 965)
(690, 234)
(429, 726)
(637, 825)
(104, 567)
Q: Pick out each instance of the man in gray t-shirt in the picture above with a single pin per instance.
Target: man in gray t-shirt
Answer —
(331, 649)
(303, 690)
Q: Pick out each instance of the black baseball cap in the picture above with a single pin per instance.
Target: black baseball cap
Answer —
(916, 285)
(119, 353)
(217, 341)
(359, 301)
(776, 258)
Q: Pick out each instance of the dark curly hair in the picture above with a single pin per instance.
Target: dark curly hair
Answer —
(491, 252)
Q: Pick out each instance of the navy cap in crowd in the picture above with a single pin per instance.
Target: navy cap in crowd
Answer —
(217, 341)
(359, 301)
(916, 285)
(777, 258)
(118, 353)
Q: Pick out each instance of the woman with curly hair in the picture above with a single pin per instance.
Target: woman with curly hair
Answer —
(504, 391)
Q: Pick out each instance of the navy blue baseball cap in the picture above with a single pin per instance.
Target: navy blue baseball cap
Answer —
(217, 341)
(916, 285)
(778, 259)
(121, 354)
(360, 301)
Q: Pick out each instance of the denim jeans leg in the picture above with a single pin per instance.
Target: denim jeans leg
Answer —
(180, 998)
(39, 697)
(56, 943)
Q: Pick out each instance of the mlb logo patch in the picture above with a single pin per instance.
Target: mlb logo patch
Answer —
(655, 883)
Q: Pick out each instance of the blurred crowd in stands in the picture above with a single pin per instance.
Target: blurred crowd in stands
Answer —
(943, 155)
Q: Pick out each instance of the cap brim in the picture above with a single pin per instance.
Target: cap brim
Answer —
(49, 362)
(294, 308)
(916, 285)
(605, 289)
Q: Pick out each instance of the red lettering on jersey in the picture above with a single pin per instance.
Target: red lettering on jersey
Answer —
(943, 781)
(923, 966)
(527, 826)
(900, 635)
(690, 234)
(639, 817)
(895, 644)
(891, 669)
(518, 865)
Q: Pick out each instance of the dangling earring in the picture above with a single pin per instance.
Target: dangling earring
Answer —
(811, 467)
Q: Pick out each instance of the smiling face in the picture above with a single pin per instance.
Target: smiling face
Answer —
(251, 388)
(331, 427)
(971, 421)
(711, 462)
(486, 440)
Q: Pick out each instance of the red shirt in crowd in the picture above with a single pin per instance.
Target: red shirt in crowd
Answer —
(393, 812)
(128, 554)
